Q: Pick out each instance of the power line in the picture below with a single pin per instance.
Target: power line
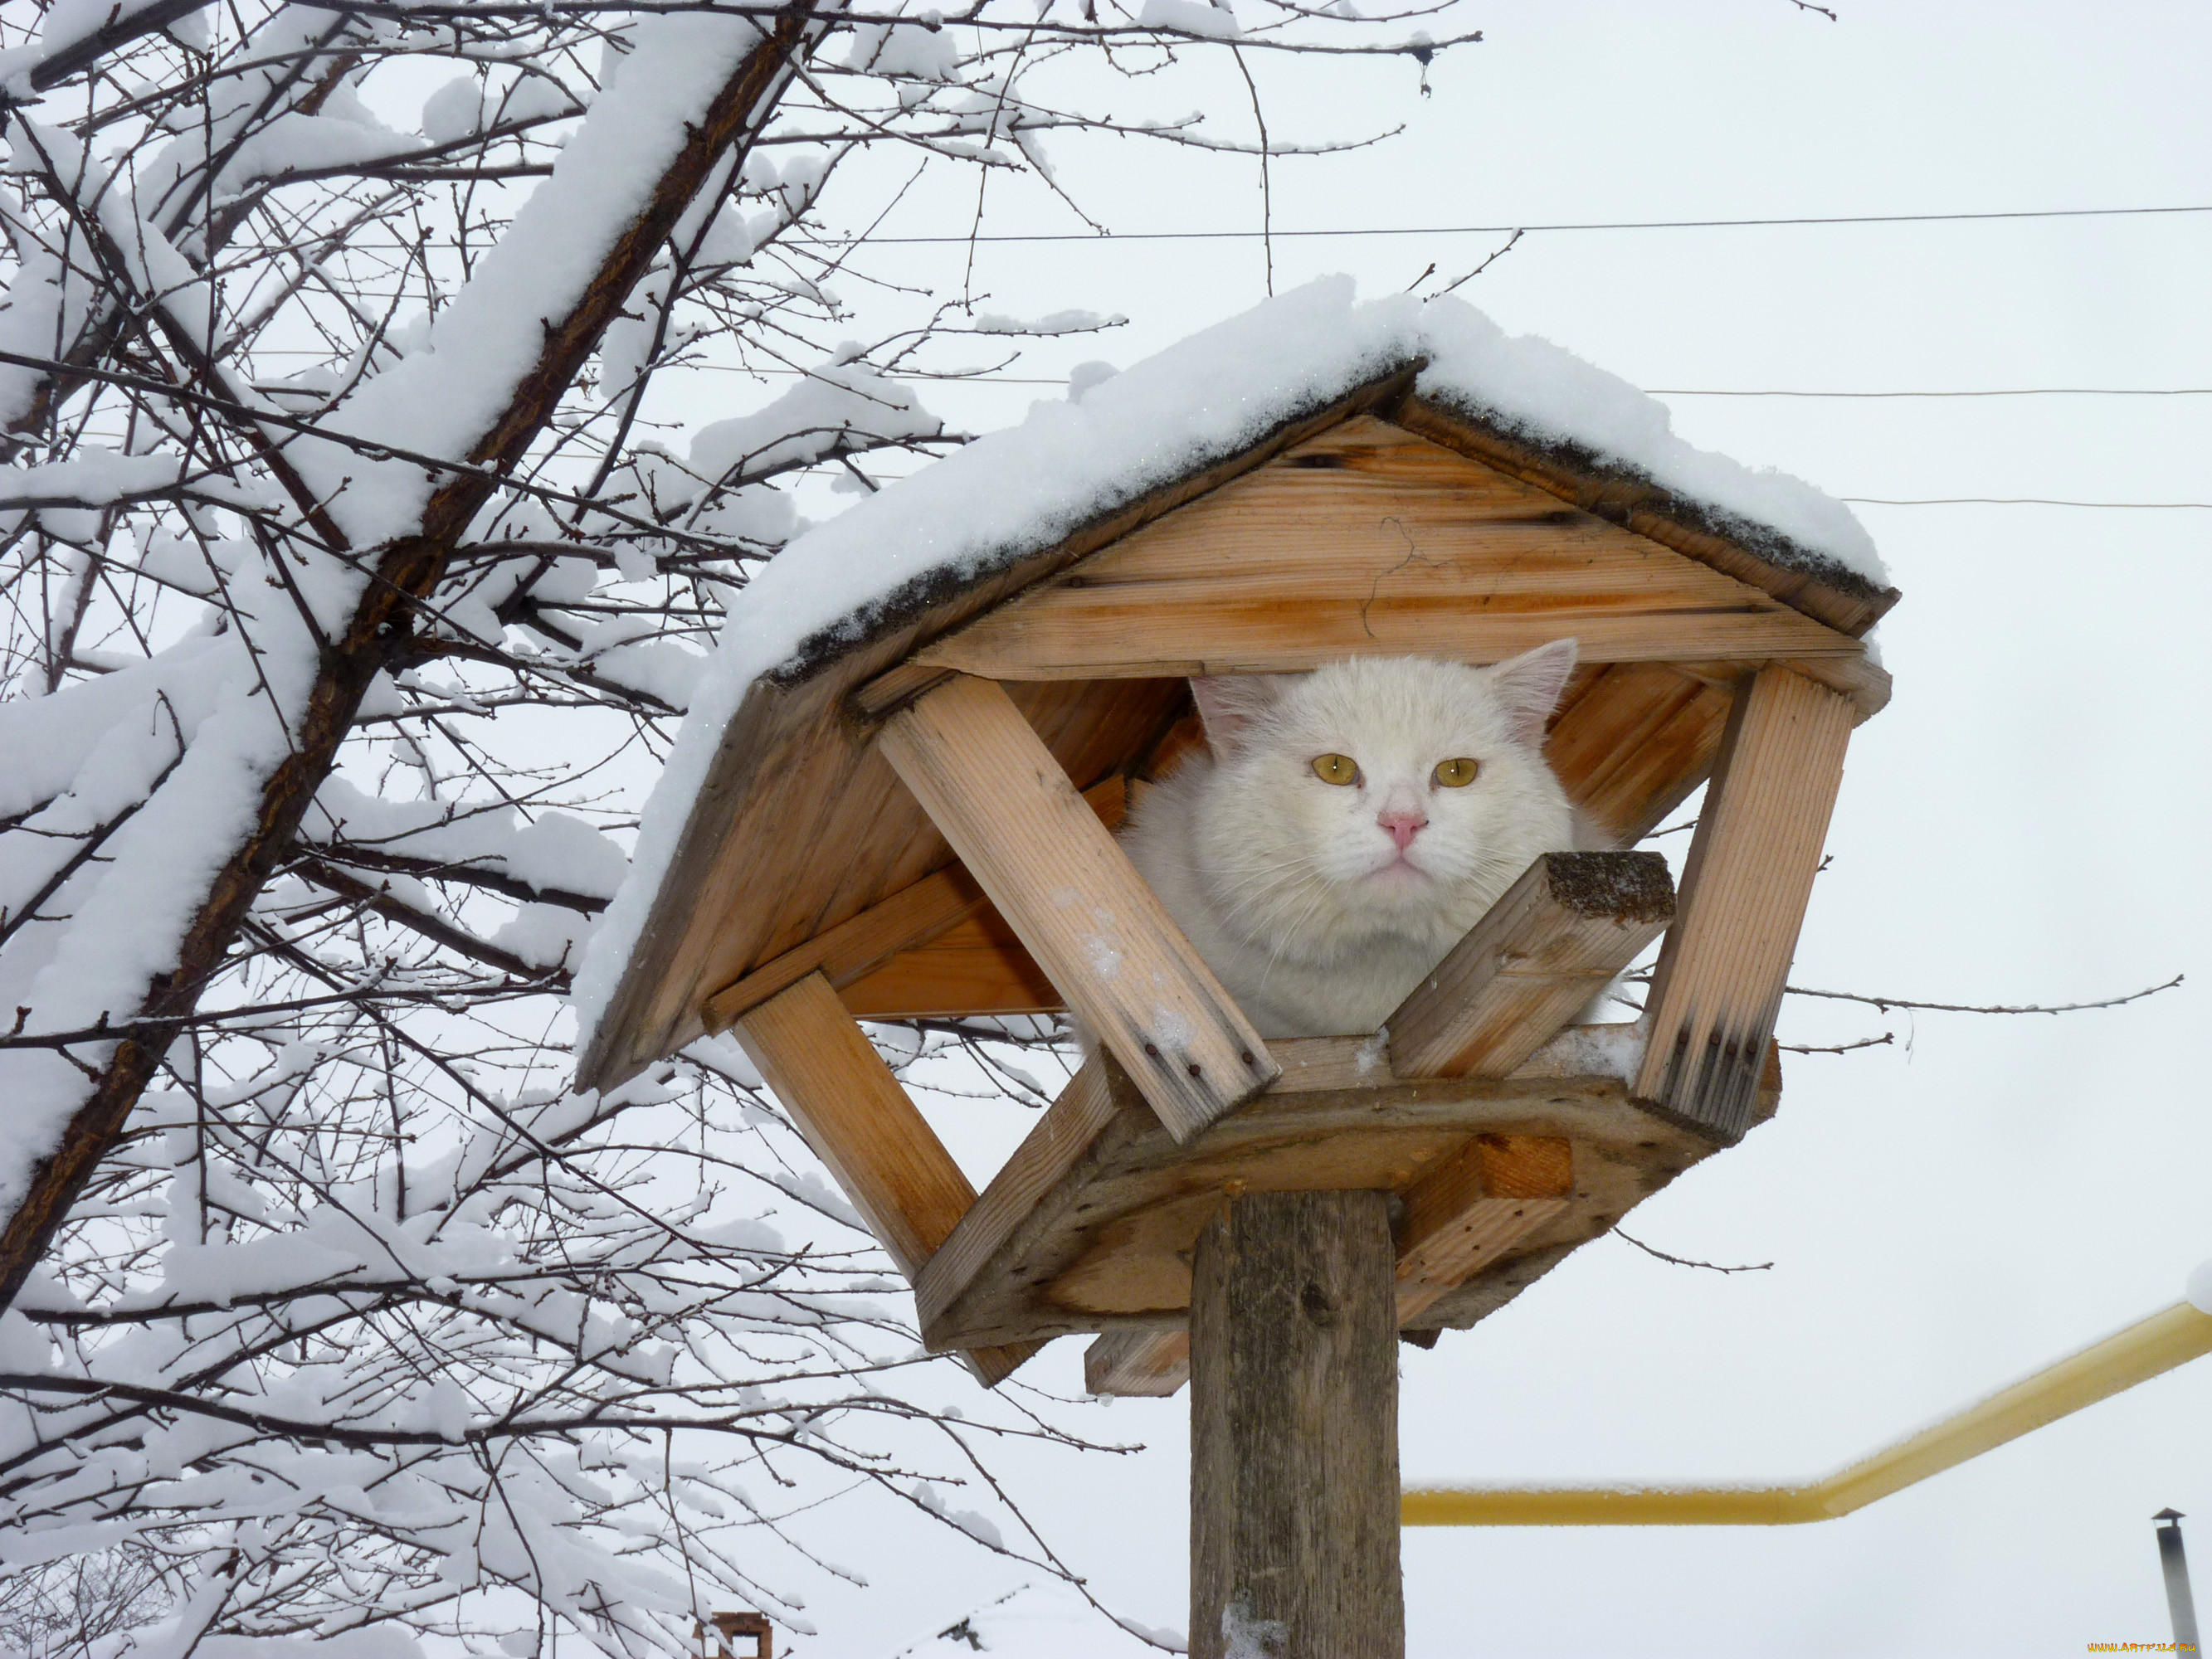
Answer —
(1095, 238)
(1999, 391)
(1649, 391)
(2009, 500)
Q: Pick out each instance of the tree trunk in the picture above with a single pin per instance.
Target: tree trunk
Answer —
(1294, 1432)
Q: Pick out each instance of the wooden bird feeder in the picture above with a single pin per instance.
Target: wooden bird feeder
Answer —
(913, 818)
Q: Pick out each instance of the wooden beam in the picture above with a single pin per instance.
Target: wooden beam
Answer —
(1294, 1432)
(1055, 874)
(1464, 1216)
(1458, 1220)
(1718, 984)
(1532, 963)
(975, 966)
(1140, 1364)
(1369, 540)
(867, 946)
(861, 1122)
(1818, 586)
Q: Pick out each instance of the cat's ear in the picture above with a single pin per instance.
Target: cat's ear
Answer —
(1529, 686)
(1229, 704)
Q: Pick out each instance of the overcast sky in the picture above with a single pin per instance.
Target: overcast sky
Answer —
(2022, 824)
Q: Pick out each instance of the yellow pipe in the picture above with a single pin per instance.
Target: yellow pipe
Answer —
(2149, 1349)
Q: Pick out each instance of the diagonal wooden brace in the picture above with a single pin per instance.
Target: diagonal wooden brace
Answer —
(1571, 923)
(857, 1117)
(1718, 985)
(1072, 896)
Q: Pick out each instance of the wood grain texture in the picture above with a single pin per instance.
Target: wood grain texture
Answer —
(975, 966)
(1837, 597)
(1068, 890)
(1090, 1225)
(1474, 1207)
(859, 1121)
(1637, 744)
(1532, 963)
(1138, 1363)
(1369, 540)
(1718, 984)
(867, 949)
(1294, 1432)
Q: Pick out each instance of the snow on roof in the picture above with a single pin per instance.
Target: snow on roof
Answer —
(2199, 1289)
(1019, 491)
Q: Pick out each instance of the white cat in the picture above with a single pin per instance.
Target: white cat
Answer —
(1351, 825)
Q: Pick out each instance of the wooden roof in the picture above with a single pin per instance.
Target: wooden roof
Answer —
(1385, 522)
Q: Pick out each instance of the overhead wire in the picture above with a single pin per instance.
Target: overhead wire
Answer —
(1095, 237)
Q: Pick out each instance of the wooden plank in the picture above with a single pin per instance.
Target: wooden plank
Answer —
(975, 967)
(1718, 984)
(1457, 1221)
(1637, 744)
(872, 699)
(1058, 878)
(1139, 1364)
(1094, 1097)
(1294, 1432)
(1532, 963)
(1090, 1225)
(860, 1123)
(1839, 597)
(1369, 540)
(1466, 1215)
(857, 948)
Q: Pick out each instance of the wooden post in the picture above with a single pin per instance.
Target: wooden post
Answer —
(995, 790)
(1294, 1431)
(1718, 985)
(860, 1122)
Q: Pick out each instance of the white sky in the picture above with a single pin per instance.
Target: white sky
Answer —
(2022, 824)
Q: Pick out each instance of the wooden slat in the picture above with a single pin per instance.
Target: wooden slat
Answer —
(1637, 744)
(1071, 1125)
(860, 1123)
(1466, 1215)
(1718, 984)
(975, 966)
(1834, 596)
(1532, 963)
(1458, 1220)
(1055, 874)
(1369, 540)
(1089, 1226)
(1145, 1364)
(863, 948)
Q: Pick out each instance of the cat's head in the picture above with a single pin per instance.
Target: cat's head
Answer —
(1378, 796)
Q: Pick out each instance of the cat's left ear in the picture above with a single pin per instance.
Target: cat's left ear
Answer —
(1529, 686)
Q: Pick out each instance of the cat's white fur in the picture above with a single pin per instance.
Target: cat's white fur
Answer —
(1297, 891)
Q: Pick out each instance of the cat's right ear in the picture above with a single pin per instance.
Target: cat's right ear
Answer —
(1230, 705)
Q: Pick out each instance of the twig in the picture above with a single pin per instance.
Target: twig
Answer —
(1685, 1261)
(1887, 1002)
(1839, 1047)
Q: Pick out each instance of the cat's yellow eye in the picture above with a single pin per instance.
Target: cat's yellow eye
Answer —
(1336, 768)
(1458, 772)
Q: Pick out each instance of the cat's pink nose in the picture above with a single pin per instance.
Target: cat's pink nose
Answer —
(1403, 826)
